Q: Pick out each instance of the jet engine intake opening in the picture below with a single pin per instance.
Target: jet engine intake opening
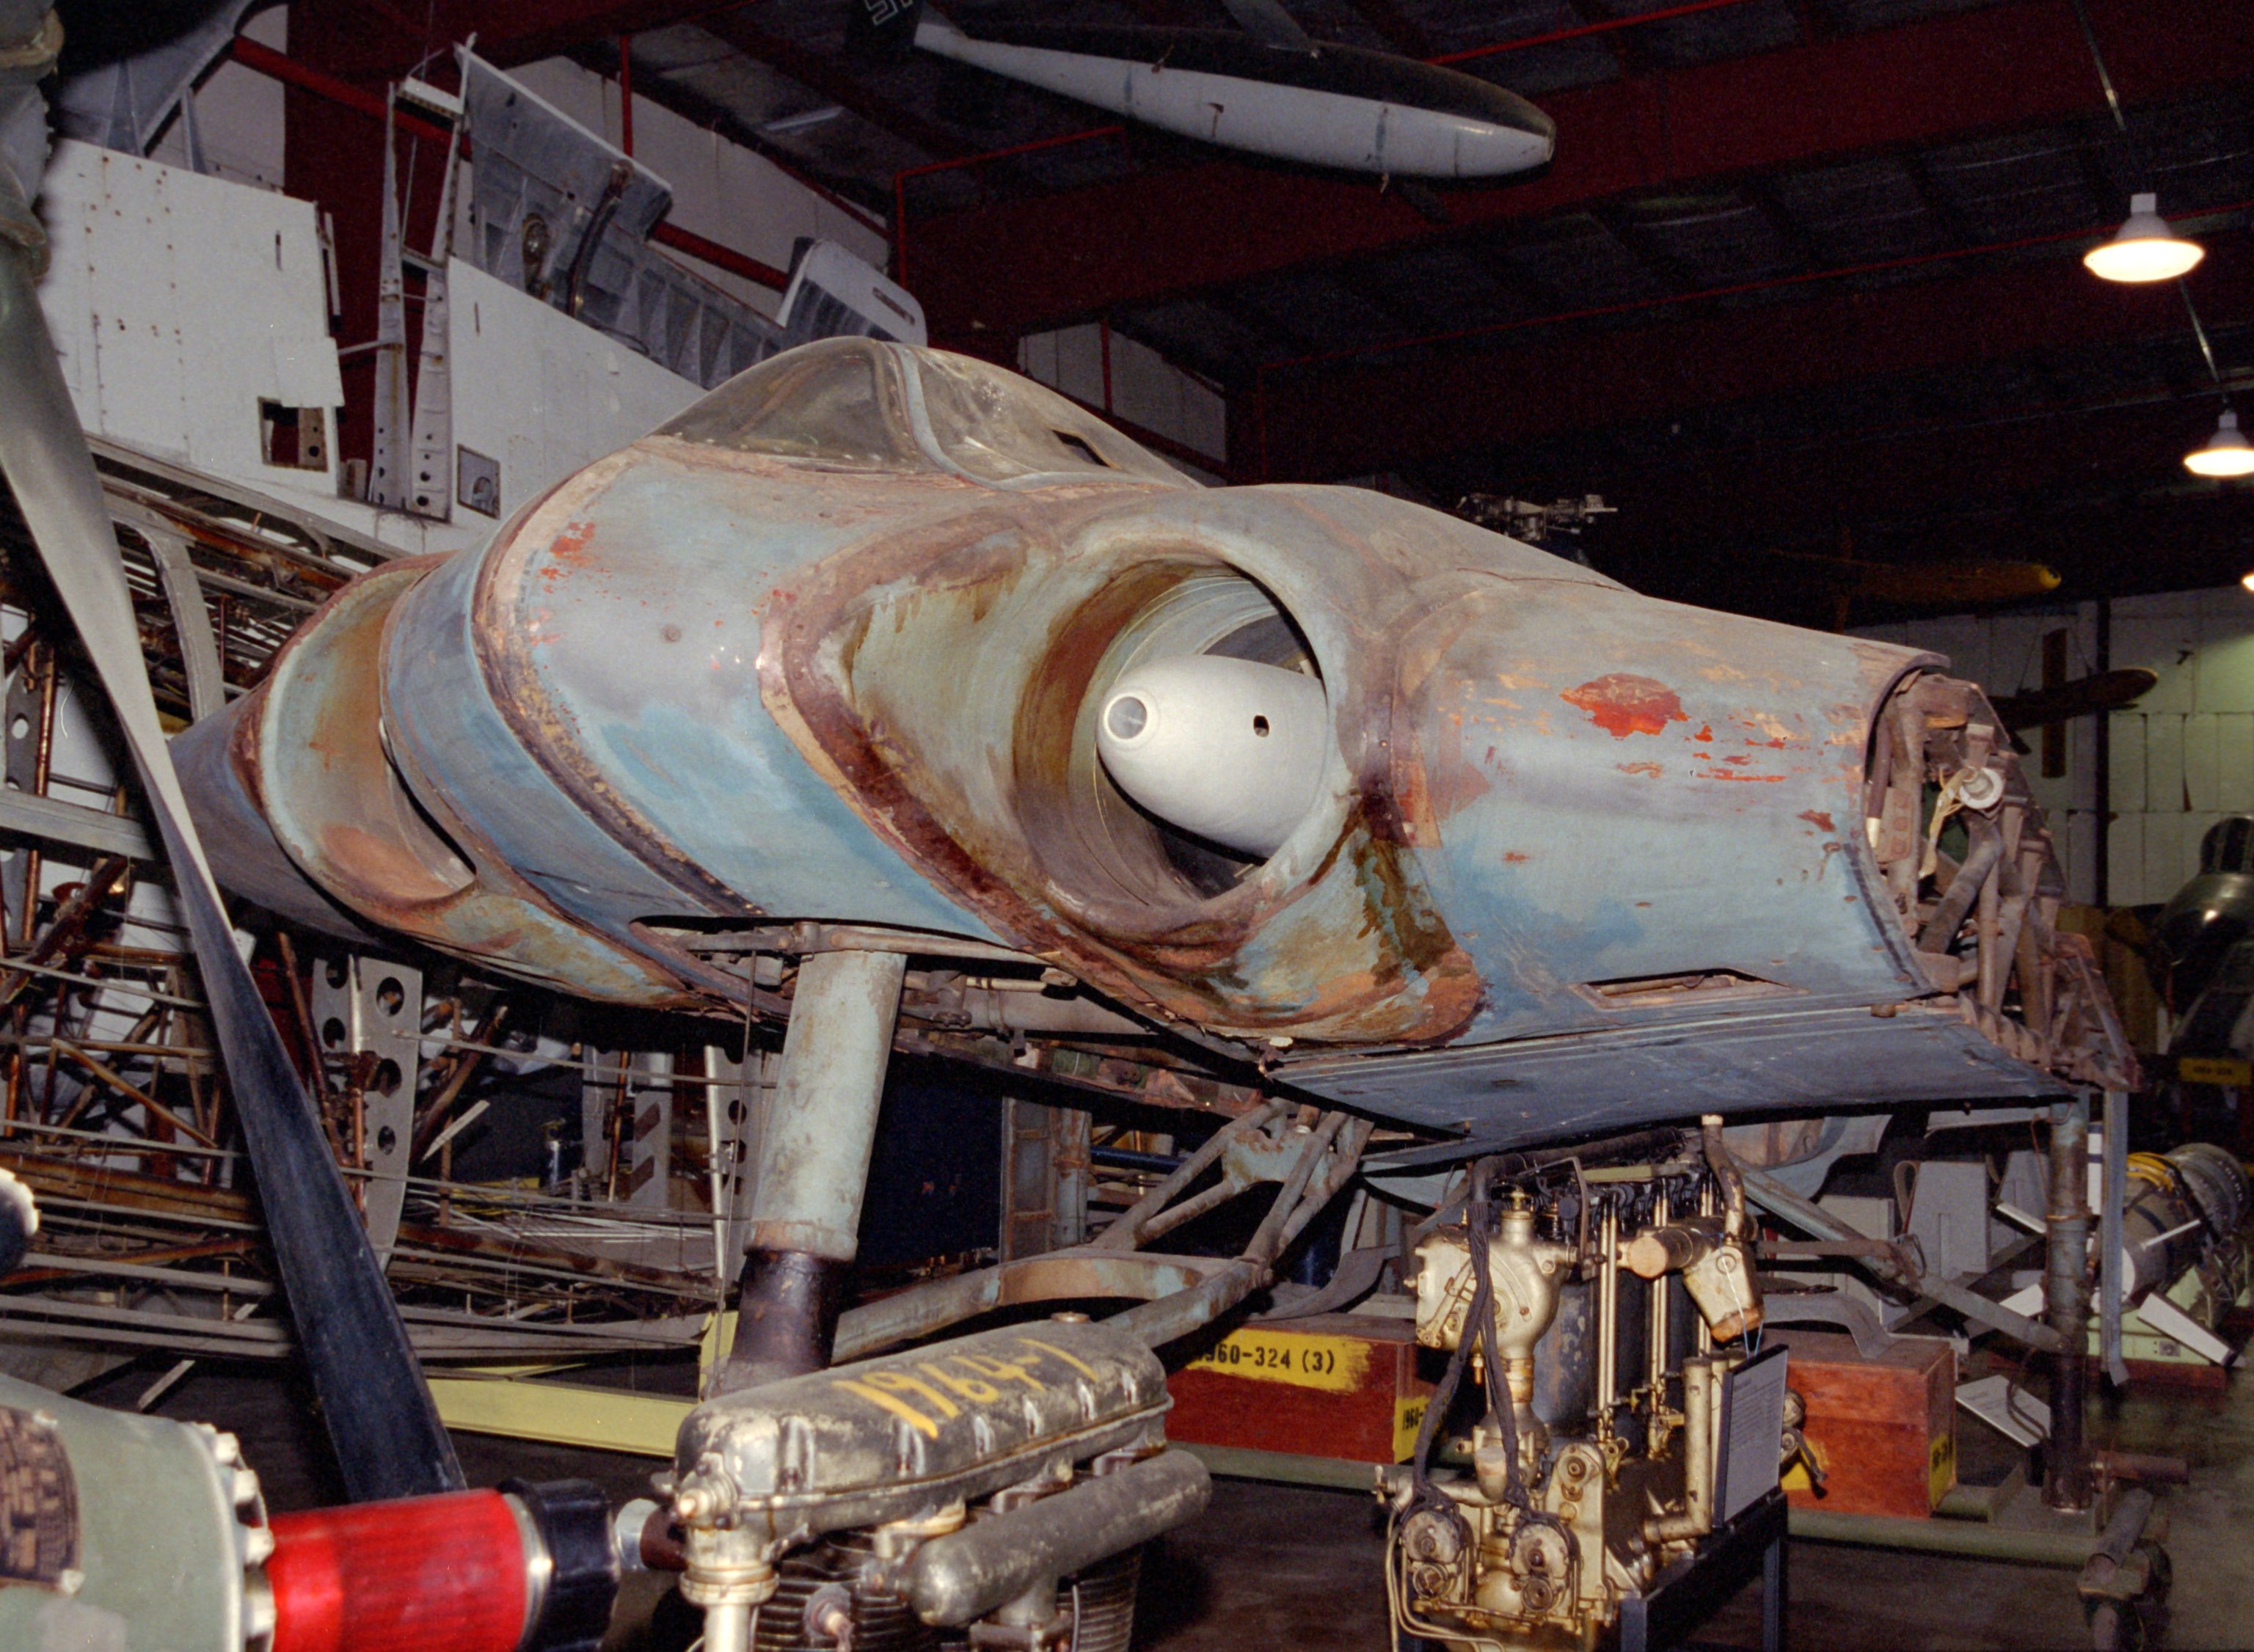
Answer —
(1173, 740)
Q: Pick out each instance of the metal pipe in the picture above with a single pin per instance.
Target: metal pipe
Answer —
(1126, 1232)
(1701, 1416)
(1964, 889)
(1989, 926)
(728, 1627)
(1702, 1335)
(1655, 1338)
(1607, 1316)
(814, 1165)
(1971, 1538)
(2065, 1301)
(1697, 1516)
(955, 1579)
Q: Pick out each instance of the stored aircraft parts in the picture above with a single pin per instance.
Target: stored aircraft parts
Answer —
(853, 646)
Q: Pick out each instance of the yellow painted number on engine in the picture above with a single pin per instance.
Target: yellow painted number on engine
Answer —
(1335, 1364)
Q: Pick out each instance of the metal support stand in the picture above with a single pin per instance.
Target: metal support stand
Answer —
(1689, 1591)
(814, 1165)
(2066, 1303)
(368, 1006)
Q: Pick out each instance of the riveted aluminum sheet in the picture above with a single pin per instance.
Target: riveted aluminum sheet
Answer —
(617, 636)
(1607, 791)
(1760, 1059)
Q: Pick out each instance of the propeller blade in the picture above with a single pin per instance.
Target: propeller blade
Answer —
(389, 1440)
(2084, 696)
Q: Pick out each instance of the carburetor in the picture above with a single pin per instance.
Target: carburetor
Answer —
(981, 1483)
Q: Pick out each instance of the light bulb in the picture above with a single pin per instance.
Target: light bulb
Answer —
(2226, 452)
(2144, 248)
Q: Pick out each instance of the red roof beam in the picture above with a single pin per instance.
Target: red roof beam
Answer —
(1021, 265)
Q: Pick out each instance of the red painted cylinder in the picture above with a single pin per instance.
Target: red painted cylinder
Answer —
(423, 1574)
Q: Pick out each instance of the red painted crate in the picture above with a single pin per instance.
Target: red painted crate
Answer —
(1884, 1430)
(1339, 1386)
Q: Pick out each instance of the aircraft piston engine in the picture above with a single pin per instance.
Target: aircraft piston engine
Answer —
(1000, 1483)
(1616, 1413)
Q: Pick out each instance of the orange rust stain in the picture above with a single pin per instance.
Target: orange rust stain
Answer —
(1740, 761)
(1650, 769)
(1706, 731)
(570, 546)
(1622, 705)
(1818, 819)
(1514, 857)
(1732, 774)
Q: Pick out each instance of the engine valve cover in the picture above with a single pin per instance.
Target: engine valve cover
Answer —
(904, 1436)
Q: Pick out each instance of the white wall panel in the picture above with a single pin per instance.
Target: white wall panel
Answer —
(1146, 391)
(2200, 757)
(2234, 762)
(2196, 827)
(542, 394)
(1962, 637)
(2226, 655)
(2164, 762)
(2162, 635)
(180, 301)
(2126, 783)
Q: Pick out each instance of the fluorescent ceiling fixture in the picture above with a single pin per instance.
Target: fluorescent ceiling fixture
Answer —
(2144, 248)
(804, 120)
(2226, 452)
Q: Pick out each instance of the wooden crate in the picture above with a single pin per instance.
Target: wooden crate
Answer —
(1338, 1386)
(1884, 1430)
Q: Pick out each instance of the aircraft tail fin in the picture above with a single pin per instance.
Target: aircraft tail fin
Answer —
(881, 29)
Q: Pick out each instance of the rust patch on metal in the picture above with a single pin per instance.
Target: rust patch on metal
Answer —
(1650, 770)
(1515, 857)
(1818, 819)
(1622, 704)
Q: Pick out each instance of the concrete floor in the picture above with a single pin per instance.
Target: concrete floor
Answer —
(1276, 1566)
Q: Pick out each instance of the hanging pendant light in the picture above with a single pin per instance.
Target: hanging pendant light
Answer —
(2144, 248)
(2226, 452)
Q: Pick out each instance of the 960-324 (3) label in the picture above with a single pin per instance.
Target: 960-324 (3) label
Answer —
(1336, 1364)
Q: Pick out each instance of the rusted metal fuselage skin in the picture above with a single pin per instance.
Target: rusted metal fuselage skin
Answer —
(829, 647)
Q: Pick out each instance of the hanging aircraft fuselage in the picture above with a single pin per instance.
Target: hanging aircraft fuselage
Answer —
(1331, 106)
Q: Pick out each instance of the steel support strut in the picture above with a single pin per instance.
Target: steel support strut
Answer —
(814, 1165)
(2066, 1302)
